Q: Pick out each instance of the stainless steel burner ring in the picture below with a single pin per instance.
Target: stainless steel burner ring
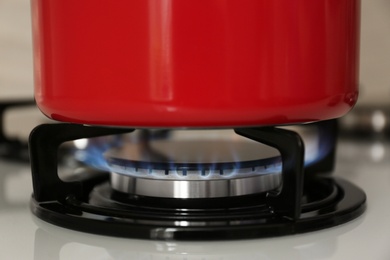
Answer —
(184, 189)
(200, 168)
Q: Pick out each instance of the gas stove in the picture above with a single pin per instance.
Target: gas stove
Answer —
(200, 188)
(364, 163)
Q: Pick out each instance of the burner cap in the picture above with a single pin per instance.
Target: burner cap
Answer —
(195, 168)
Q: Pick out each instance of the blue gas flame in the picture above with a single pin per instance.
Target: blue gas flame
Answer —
(323, 148)
(92, 154)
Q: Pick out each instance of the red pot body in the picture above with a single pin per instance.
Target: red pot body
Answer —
(195, 63)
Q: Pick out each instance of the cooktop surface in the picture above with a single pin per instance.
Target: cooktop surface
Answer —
(365, 164)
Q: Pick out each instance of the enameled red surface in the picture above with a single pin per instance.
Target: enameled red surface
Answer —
(195, 63)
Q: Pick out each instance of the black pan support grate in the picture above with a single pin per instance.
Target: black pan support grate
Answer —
(88, 204)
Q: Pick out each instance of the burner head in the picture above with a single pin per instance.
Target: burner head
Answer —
(87, 202)
(201, 168)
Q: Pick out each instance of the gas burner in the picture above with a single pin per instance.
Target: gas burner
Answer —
(174, 168)
(273, 200)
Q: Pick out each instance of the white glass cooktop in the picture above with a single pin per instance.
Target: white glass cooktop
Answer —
(366, 164)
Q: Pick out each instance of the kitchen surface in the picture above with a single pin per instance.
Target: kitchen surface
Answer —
(363, 158)
(364, 163)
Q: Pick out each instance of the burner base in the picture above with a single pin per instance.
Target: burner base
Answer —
(87, 203)
(336, 202)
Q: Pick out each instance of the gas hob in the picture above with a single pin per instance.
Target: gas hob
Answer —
(365, 164)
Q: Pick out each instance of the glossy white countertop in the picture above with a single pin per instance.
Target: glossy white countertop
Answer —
(366, 164)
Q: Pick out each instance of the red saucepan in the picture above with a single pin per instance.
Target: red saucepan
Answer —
(195, 63)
